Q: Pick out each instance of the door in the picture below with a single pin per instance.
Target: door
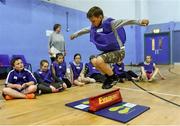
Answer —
(158, 46)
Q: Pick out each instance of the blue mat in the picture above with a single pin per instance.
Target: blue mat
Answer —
(122, 111)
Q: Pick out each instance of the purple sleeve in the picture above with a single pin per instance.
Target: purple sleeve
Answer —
(122, 66)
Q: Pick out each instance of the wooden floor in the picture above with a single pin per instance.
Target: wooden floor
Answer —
(51, 110)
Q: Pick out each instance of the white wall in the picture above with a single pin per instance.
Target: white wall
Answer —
(118, 9)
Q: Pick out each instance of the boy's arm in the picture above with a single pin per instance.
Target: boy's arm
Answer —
(80, 32)
(86, 70)
(9, 82)
(119, 23)
(154, 65)
(82, 73)
(50, 44)
(29, 83)
(38, 78)
(31, 80)
(56, 79)
(142, 70)
(14, 86)
(123, 67)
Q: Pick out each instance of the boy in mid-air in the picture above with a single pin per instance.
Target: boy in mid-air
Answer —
(108, 35)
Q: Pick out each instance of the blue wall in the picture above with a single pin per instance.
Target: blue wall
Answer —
(23, 26)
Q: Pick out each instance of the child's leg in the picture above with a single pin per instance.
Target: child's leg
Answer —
(101, 63)
(30, 89)
(161, 76)
(154, 74)
(64, 86)
(90, 80)
(13, 93)
(157, 71)
(98, 77)
(78, 83)
(143, 75)
(60, 86)
(121, 77)
(102, 66)
(68, 83)
(43, 89)
(132, 74)
(86, 80)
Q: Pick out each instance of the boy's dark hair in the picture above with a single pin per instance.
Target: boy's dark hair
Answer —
(77, 54)
(14, 60)
(92, 57)
(94, 11)
(59, 54)
(149, 56)
(43, 61)
(56, 26)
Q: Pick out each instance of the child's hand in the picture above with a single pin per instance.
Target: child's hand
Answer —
(144, 22)
(72, 36)
(80, 79)
(53, 89)
(18, 86)
(50, 53)
(24, 85)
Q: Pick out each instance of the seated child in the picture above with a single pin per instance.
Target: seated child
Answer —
(76, 68)
(119, 71)
(91, 72)
(149, 70)
(20, 82)
(58, 69)
(46, 83)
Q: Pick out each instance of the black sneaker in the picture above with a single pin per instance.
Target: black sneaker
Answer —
(107, 86)
(108, 83)
(121, 80)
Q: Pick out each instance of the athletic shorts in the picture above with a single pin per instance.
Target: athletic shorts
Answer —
(113, 57)
(148, 74)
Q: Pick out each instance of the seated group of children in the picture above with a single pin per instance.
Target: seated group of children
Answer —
(147, 73)
(21, 83)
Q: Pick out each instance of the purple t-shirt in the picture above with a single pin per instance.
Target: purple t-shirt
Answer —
(16, 77)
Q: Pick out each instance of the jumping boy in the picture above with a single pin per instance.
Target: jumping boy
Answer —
(109, 37)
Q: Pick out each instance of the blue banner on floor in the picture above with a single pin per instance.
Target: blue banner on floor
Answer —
(122, 111)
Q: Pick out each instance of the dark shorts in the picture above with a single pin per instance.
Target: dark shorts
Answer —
(113, 57)
(98, 77)
(149, 75)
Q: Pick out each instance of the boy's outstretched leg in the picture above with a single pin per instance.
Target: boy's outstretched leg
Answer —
(107, 70)
(102, 64)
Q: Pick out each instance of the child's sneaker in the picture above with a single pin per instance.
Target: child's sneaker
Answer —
(91, 80)
(121, 80)
(108, 83)
(30, 96)
(7, 97)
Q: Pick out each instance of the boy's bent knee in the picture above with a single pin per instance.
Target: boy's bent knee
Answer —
(33, 88)
(94, 60)
(6, 90)
(99, 61)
